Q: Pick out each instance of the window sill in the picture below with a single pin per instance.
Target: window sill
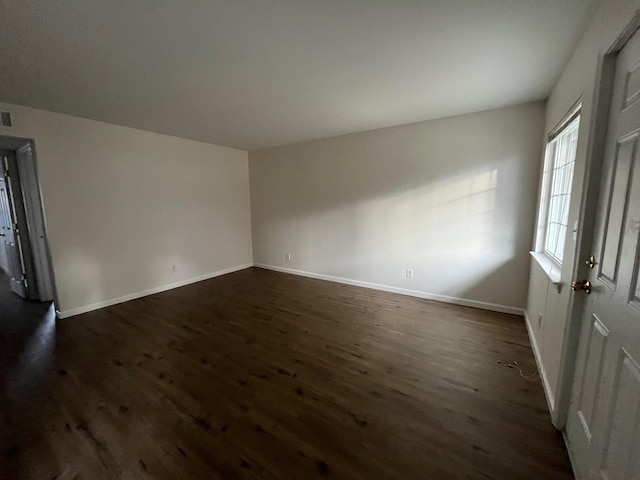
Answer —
(549, 267)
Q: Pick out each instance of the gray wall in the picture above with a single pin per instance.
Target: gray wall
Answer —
(454, 199)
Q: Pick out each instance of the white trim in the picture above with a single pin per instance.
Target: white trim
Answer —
(152, 291)
(549, 267)
(569, 117)
(548, 394)
(36, 230)
(403, 291)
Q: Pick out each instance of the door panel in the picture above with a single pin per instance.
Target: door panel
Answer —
(610, 257)
(632, 86)
(592, 374)
(603, 428)
(633, 239)
(622, 444)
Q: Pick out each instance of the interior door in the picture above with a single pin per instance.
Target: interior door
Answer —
(603, 428)
(9, 231)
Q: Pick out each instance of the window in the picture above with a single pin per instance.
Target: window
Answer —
(556, 187)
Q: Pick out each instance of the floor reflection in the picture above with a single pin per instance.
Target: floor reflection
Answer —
(27, 346)
(35, 360)
(26, 328)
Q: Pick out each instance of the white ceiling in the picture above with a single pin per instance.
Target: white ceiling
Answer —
(256, 73)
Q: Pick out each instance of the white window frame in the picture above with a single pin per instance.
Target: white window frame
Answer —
(570, 121)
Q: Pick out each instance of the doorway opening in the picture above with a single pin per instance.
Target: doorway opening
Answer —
(26, 270)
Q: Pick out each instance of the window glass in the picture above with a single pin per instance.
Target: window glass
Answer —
(559, 166)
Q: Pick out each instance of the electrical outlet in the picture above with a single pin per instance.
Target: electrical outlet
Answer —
(409, 272)
(287, 257)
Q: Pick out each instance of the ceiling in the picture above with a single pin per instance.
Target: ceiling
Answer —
(256, 73)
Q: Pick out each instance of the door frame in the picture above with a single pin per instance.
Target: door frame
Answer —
(36, 224)
(599, 123)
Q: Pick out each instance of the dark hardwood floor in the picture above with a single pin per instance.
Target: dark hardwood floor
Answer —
(19, 320)
(264, 375)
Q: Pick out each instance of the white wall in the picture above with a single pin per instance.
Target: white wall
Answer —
(123, 206)
(452, 198)
(577, 80)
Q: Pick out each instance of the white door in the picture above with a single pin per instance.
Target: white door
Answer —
(9, 233)
(603, 428)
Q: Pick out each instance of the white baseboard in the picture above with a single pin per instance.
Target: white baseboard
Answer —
(151, 291)
(548, 394)
(403, 291)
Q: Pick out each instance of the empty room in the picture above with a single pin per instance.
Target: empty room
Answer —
(298, 239)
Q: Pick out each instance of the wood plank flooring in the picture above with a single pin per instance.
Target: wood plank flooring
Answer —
(264, 375)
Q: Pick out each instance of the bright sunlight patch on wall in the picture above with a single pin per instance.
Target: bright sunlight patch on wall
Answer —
(450, 221)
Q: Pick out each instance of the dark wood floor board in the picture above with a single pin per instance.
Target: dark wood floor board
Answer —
(262, 375)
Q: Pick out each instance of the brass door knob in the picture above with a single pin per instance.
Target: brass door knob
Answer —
(584, 286)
